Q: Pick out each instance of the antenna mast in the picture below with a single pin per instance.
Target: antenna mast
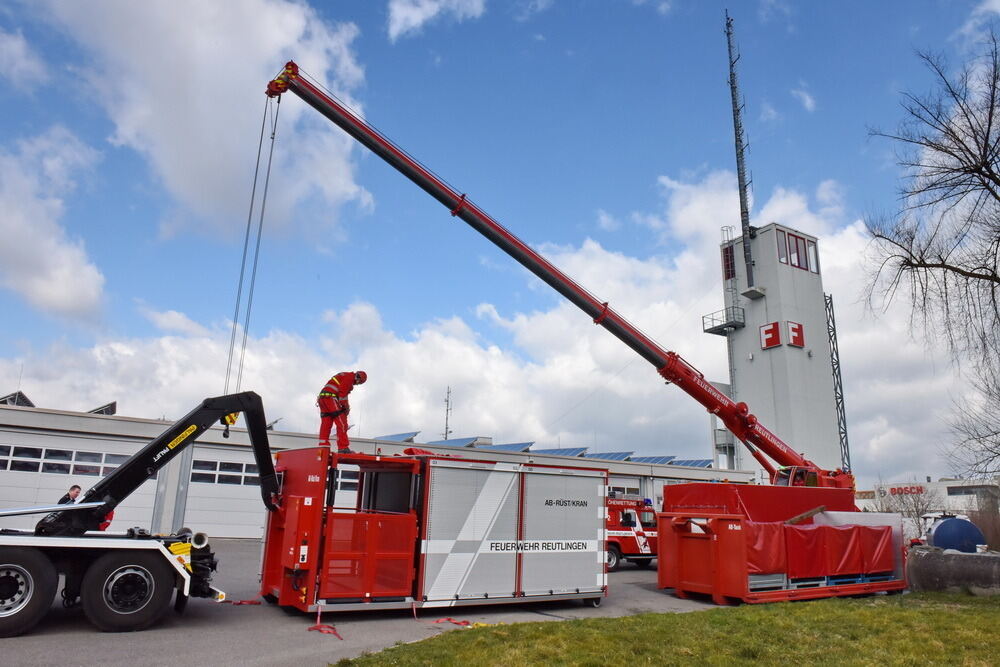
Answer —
(741, 172)
(447, 412)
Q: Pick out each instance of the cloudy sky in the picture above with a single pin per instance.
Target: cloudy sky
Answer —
(599, 131)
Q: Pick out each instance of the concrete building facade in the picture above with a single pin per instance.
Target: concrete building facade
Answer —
(778, 346)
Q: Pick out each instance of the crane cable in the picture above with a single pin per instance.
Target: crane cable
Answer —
(246, 245)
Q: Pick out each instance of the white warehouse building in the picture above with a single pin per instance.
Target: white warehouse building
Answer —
(212, 486)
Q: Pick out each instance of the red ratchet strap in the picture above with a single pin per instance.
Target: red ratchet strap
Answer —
(322, 628)
(452, 620)
(604, 313)
(459, 206)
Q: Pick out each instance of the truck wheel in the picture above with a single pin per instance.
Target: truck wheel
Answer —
(28, 583)
(593, 602)
(127, 590)
(642, 562)
(614, 558)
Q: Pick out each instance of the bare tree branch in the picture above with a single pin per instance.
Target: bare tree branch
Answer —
(940, 251)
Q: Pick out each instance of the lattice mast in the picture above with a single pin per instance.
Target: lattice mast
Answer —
(741, 172)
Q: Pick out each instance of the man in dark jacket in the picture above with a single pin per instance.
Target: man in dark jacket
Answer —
(71, 495)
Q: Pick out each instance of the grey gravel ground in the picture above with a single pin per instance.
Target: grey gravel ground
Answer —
(209, 633)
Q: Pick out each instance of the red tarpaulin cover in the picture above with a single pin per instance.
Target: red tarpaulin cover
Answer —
(876, 544)
(843, 550)
(805, 546)
(757, 503)
(765, 547)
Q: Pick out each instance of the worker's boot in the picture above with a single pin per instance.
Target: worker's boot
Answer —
(345, 450)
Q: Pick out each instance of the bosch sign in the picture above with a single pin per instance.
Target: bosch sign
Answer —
(905, 490)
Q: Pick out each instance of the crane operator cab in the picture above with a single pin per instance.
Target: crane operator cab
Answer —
(792, 476)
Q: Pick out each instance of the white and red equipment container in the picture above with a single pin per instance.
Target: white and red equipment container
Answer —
(432, 531)
(631, 531)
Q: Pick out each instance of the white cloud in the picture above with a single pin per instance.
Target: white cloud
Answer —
(528, 8)
(19, 63)
(607, 222)
(409, 16)
(768, 113)
(974, 28)
(663, 7)
(770, 9)
(567, 381)
(183, 83)
(38, 259)
(807, 101)
(172, 320)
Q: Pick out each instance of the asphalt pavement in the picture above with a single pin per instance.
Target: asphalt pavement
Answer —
(224, 634)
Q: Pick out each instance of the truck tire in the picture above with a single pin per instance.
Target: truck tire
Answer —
(614, 558)
(28, 583)
(125, 591)
(642, 562)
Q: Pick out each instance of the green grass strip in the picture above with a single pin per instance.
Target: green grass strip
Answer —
(917, 629)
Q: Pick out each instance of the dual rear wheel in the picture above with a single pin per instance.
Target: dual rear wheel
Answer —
(121, 591)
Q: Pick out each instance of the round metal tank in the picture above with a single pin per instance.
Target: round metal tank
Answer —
(954, 533)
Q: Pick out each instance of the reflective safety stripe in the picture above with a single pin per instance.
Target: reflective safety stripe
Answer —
(324, 394)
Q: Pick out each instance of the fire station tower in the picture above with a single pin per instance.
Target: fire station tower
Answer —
(780, 332)
(781, 345)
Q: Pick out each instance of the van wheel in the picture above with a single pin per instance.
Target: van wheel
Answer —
(642, 562)
(614, 558)
(593, 602)
(28, 583)
(127, 590)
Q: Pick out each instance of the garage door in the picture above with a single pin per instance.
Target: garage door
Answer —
(224, 494)
(31, 476)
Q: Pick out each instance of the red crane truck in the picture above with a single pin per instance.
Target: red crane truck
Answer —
(784, 465)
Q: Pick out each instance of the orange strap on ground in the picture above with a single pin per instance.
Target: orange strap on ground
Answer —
(452, 620)
(322, 628)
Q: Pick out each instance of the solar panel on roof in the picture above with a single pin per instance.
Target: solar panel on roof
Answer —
(508, 447)
(455, 442)
(399, 437)
(608, 456)
(565, 451)
(692, 463)
(652, 459)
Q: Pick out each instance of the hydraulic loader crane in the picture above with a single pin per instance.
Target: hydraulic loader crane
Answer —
(123, 581)
(788, 467)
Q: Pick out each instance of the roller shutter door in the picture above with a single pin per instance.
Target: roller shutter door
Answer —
(223, 497)
(39, 475)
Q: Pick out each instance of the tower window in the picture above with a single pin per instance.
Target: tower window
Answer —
(782, 247)
(797, 254)
(728, 263)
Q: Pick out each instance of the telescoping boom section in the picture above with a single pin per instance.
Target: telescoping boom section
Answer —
(764, 445)
(125, 479)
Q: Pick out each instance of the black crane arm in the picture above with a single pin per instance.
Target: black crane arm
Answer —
(142, 465)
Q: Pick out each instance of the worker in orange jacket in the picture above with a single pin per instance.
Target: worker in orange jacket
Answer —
(334, 408)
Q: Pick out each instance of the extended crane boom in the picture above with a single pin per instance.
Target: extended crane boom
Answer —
(736, 416)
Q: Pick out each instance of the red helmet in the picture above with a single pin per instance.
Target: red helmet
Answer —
(360, 377)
